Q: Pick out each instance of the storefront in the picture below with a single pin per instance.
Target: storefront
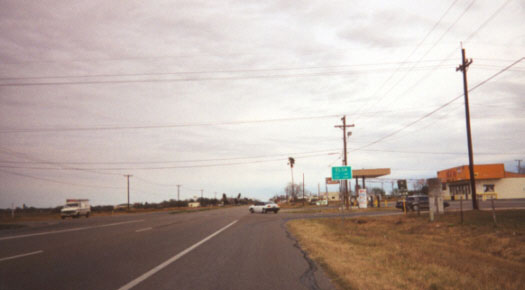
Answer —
(491, 181)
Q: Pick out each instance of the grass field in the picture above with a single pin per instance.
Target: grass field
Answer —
(408, 252)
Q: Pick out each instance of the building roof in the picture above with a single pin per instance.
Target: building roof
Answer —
(481, 172)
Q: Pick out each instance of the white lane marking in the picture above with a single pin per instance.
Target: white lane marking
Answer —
(171, 260)
(144, 229)
(21, 255)
(68, 230)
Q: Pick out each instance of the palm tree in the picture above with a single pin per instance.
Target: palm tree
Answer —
(291, 162)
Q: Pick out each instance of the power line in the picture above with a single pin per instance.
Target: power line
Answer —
(180, 161)
(56, 181)
(166, 167)
(193, 79)
(165, 126)
(419, 81)
(41, 161)
(440, 107)
(425, 54)
(401, 64)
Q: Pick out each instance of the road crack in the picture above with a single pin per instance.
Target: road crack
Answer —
(308, 277)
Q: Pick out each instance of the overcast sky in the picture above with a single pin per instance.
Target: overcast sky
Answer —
(215, 95)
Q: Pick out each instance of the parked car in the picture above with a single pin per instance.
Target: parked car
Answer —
(415, 202)
(263, 207)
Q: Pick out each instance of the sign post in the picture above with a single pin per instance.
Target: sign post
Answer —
(363, 202)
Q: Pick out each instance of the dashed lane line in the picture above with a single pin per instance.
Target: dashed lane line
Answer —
(68, 230)
(171, 260)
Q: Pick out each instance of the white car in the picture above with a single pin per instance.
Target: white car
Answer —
(264, 207)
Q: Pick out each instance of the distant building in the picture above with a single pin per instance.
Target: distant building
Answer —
(194, 204)
(491, 180)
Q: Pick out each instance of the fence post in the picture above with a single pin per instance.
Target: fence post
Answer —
(435, 197)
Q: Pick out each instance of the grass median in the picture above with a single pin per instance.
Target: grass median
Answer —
(408, 252)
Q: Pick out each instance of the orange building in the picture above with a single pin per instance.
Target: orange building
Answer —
(491, 180)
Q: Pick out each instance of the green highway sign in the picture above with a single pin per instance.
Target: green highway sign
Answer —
(341, 172)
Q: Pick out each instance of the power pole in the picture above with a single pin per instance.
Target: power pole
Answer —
(202, 194)
(465, 63)
(345, 161)
(128, 176)
(519, 165)
(318, 190)
(178, 192)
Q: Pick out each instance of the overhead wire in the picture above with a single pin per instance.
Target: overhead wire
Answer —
(409, 56)
(56, 181)
(440, 107)
(162, 126)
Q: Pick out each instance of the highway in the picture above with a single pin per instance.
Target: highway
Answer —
(217, 249)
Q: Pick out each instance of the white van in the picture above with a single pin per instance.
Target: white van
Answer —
(76, 208)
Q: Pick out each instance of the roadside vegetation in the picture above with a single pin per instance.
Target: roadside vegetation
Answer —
(409, 252)
(9, 220)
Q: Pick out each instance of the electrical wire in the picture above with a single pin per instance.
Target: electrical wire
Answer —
(167, 167)
(440, 107)
(56, 181)
(412, 53)
(162, 126)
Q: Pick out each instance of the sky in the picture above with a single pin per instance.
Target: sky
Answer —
(216, 95)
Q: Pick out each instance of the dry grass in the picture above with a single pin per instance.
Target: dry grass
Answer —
(408, 252)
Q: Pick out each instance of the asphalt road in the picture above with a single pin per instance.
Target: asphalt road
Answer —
(217, 249)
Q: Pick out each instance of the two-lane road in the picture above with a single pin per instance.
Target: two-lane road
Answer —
(218, 249)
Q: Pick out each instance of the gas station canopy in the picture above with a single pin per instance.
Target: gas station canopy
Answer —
(370, 173)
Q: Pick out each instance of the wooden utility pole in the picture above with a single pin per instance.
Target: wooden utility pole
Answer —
(465, 63)
(519, 165)
(128, 176)
(178, 192)
(345, 161)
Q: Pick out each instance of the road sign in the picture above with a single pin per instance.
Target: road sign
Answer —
(402, 185)
(341, 172)
(330, 181)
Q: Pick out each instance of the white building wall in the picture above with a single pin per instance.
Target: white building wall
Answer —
(510, 187)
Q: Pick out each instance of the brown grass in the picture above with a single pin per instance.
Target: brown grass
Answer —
(408, 252)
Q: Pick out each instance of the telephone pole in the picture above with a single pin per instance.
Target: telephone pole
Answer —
(519, 165)
(178, 191)
(128, 176)
(202, 194)
(465, 63)
(345, 162)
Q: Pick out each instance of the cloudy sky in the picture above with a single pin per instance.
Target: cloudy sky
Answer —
(215, 95)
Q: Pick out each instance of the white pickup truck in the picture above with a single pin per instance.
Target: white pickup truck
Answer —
(264, 207)
(75, 208)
